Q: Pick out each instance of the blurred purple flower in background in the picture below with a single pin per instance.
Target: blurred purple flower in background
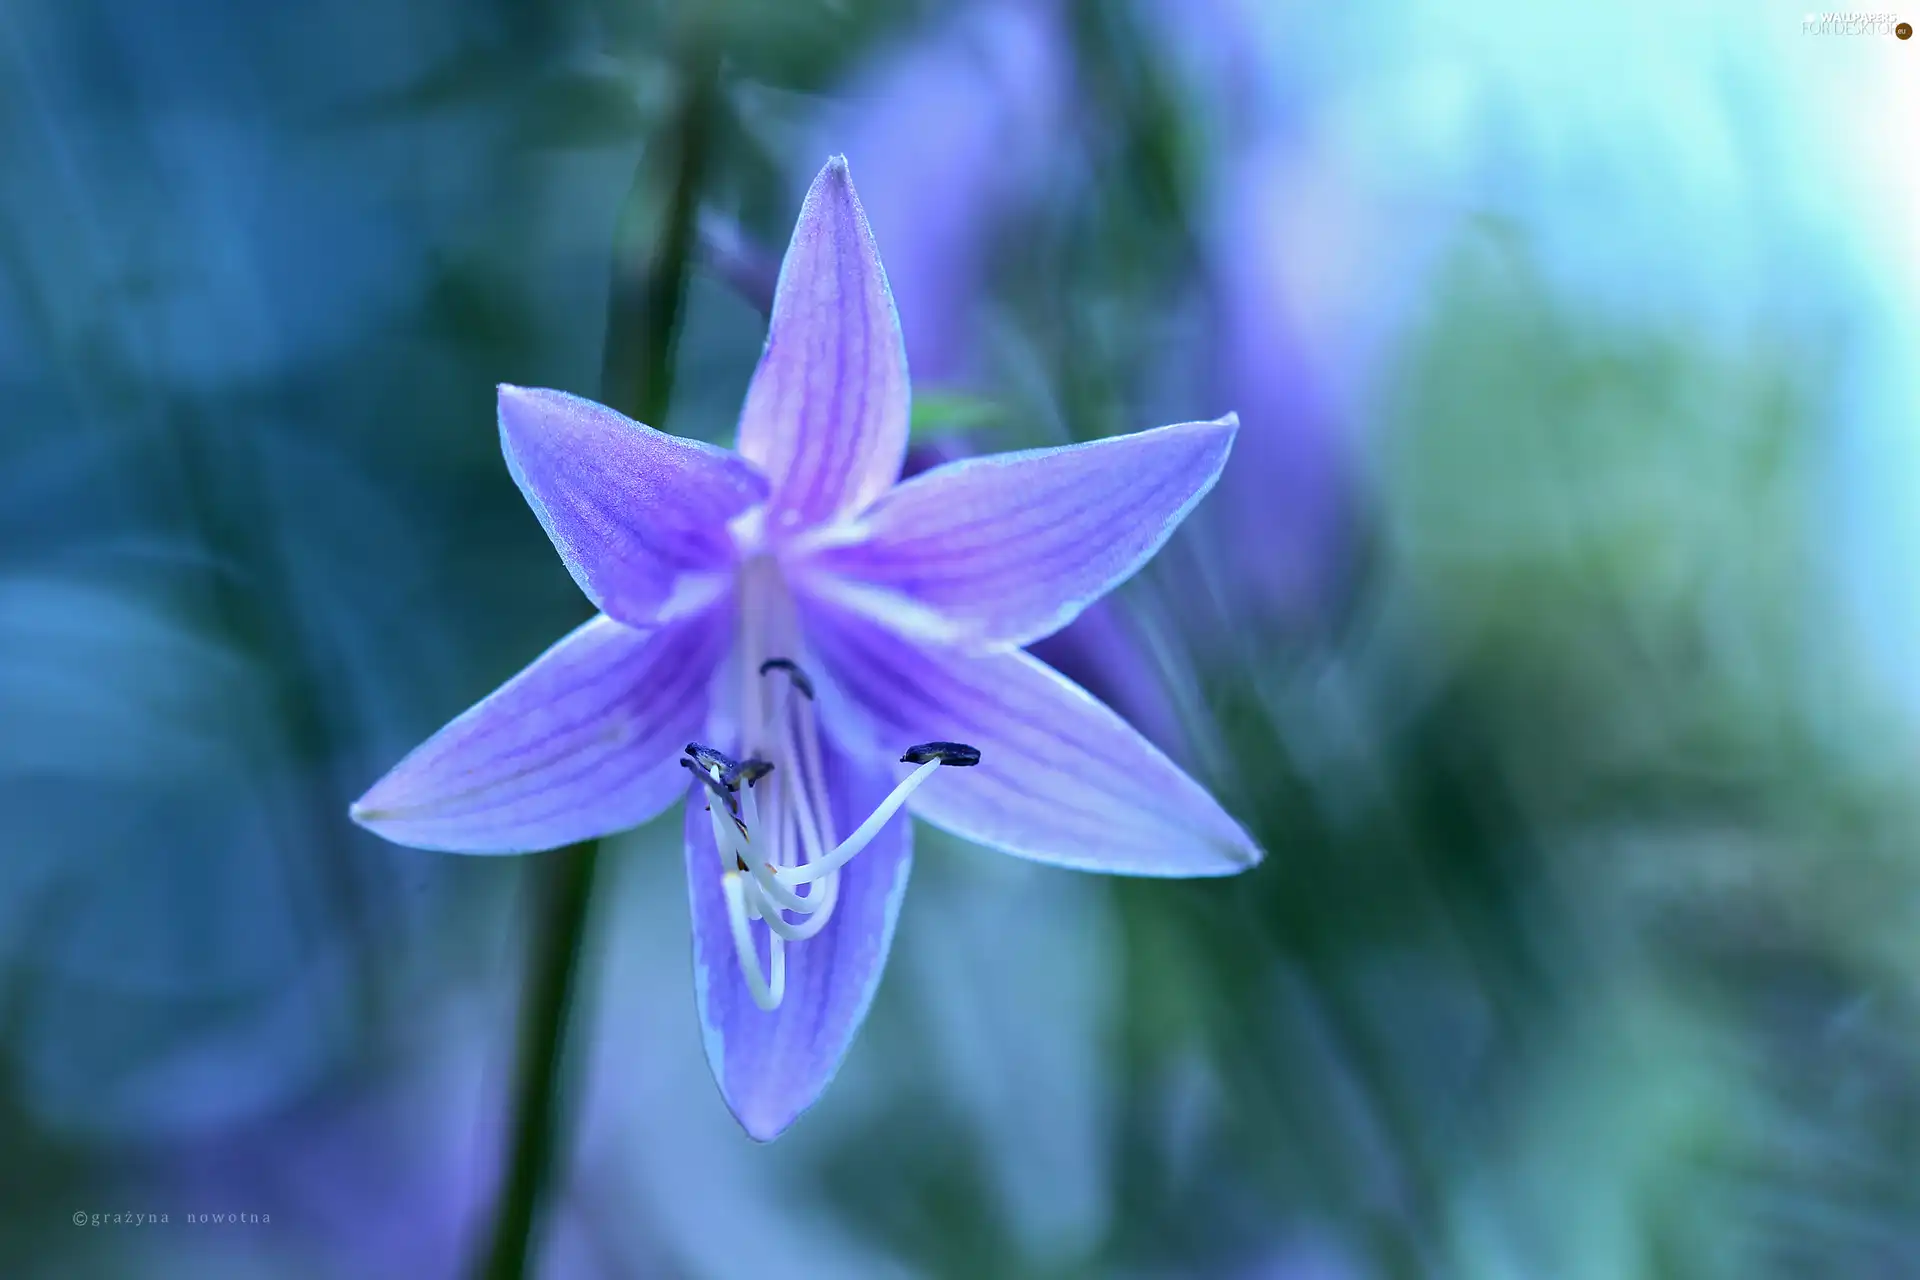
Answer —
(390, 1175)
(1287, 497)
(717, 570)
(994, 83)
(999, 82)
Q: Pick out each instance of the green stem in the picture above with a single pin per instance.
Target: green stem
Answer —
(538, 1114)
(651, 251)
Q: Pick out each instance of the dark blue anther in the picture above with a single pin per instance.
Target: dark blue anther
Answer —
(953, 753)
(794, 673)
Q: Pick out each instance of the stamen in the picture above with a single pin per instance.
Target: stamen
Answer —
(932, 755)
(800, 679)
(767, 994)
(711, 776)
(776, 923)
(865, 832)
(767, 876)
(730, 851)
(827, 892)
(817, 770)
(790, 880)
(748, 771)
(705, 758)
(958, 754)
(810, 820)
(749, 806)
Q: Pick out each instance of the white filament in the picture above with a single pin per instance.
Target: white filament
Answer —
(767, 889)
(767, 876)
(811, 817)
(766, 993)
(771, 853)
(864, 833)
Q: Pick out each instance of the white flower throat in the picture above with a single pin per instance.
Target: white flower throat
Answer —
(780, 854)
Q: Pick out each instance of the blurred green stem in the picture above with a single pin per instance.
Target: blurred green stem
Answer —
(652, 246)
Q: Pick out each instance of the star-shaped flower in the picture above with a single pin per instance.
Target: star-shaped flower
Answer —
(821, 625)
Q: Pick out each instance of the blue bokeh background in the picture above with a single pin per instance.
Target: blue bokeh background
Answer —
(1552, 628)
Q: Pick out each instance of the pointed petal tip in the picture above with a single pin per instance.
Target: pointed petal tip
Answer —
(510, 404)
(833, 175)
(761, 1131)
(380, 821)
(368, 810)
(1245, 856)
(1234, 846)
(1222, 433)
(825, 417)
(765, 1120)
(375, 810)
(508, 393)
(834, 181)
(377, 814)
(1225, 428)
(1225, 856)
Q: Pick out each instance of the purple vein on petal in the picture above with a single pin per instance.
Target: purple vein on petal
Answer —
(576, 744)
(826, 414)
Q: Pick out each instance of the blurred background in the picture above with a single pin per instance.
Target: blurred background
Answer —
(1551, 628)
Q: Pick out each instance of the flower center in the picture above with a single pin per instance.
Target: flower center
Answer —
(780, 855)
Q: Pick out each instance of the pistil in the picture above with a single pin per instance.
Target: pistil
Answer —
(776, 843)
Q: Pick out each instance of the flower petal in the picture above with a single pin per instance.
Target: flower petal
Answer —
(771, 1066)
(581, 743)
(826, 415)
(1061, 778)
(958, 132)
(639, 516)
(1000, 551)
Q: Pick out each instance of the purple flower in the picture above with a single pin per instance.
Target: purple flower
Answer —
(821, 623)
(969, 129)
(957, 133)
